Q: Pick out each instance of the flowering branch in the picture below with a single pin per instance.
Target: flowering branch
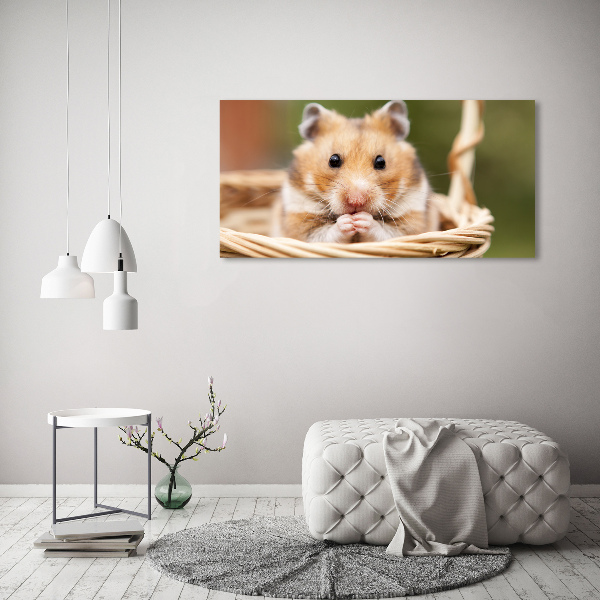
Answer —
(208, 425)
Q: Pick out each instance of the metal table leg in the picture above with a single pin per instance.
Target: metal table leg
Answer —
(149, 434)
(95, 467)
(111, 509)
(54, 470)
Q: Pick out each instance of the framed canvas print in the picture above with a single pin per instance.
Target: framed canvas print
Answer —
(377, 178)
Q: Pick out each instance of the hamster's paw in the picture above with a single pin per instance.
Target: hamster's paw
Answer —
(344, 229)
(348, 225)
(363, 222)
(370, 229)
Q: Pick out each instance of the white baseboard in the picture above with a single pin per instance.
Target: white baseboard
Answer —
(249, 490)
(589, 490)
(85, 490)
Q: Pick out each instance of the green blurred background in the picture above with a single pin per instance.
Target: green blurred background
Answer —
(504, 177)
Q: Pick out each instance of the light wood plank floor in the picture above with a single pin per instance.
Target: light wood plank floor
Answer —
(569, 569)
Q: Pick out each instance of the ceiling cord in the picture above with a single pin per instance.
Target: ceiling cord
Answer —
(108, 104)
(120, 193)
(67, 123)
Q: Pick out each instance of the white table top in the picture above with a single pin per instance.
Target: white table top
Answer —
(99, 417)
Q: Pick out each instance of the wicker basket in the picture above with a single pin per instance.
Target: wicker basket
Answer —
(466, 228)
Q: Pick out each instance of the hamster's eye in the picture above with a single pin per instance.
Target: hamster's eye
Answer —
(379, 162)
(335, 161)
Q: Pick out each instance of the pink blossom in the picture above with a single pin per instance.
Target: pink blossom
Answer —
(159, 423)
(129, 430)
(224, 440)
(210, 381)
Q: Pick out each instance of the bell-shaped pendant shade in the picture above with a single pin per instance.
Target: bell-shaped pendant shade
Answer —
(120, 311)
(67, 281)
(102, 249)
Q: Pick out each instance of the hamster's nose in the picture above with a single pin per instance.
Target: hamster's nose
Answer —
(357, 198)
(356, 201)
(357, 195)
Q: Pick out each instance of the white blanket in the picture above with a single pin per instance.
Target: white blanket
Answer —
(437, 490)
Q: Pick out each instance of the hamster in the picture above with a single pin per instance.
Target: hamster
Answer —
(356, 180)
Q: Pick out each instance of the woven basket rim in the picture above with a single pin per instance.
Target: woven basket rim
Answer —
(472, 239)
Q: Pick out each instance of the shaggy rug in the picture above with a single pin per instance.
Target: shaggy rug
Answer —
(277, 557)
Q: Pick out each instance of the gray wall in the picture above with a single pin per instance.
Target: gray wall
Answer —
(289, 342)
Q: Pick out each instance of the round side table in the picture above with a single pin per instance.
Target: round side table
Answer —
(99, 417)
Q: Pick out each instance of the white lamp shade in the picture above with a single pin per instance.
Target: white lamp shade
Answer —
(120, 310)
(67, 281)
(102, 249)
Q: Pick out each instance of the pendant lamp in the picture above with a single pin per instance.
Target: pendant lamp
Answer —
(120, 310)
(102, 247)
(108, 239)
(67, 281)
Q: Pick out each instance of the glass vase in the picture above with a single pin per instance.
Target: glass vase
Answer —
(173, 490)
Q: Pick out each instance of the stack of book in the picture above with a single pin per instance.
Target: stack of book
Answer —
(114, 539)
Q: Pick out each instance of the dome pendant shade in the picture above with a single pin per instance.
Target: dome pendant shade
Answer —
(67, 281)
(120, 311)
(102, 249)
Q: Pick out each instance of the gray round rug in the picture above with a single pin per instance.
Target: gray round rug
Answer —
(277, 557)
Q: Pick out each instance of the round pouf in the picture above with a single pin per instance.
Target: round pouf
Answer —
(277, 557)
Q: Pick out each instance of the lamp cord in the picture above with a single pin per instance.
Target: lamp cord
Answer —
(108, 104)
(67, 123)
(120, 193)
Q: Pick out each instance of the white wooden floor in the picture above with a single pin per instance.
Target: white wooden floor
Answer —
(567, 569)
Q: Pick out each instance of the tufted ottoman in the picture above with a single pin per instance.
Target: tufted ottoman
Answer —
(347, 498)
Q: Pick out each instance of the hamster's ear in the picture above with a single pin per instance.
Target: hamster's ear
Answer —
(397, 113)
(312, 114)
